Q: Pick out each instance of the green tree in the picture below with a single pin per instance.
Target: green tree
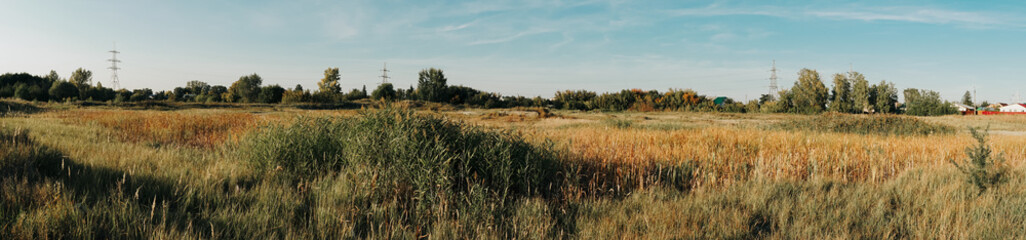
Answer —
(330, 82)
(216, 94)
(246, 89)
(81, 77)
(810, 95)
(52, 77)
(860, 94)
(141, 95)
(271, 94)
(431, 85)
(296, 95)
(886, 97)
(967, 99)
(841, 100)
(197, 87)
(384, 92)
(926, 103)
(911, 100)
(62, 90)
(355, 94)
(574, 100)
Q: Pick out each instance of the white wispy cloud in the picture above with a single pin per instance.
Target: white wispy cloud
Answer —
(930, 16)
(451, 28)
(529, 32)
(977, 19)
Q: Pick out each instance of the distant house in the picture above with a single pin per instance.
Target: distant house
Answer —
(963, 108)
(1017, 107)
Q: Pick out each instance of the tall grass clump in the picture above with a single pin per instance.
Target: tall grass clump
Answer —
(981, 169)
(31, 207)
(406, 174)
(880, 124)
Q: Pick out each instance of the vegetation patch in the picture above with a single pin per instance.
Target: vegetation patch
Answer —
(424, 171)
(170, 128)
(10, 107)
(883, 124)
(620, 123)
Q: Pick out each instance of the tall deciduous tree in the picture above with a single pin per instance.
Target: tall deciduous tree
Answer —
(246, 89)
(841, 100)
(197, 87)
(330, 82)
(886, 97)
(81, 77)
(62, 90)
(385, 91)
(926, 103)
(860, 94)
(52, 77)
(810, 95)
(431, 85)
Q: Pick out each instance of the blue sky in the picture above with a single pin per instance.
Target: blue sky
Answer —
(719, 48)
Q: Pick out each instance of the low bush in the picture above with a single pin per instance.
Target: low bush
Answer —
(417, 165)
(981, 169)
(880, 124)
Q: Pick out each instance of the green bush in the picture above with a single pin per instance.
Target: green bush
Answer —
(879, 124)
(981, 169)
(418, 164)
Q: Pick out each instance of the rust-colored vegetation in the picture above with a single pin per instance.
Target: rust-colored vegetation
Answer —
(194, 129)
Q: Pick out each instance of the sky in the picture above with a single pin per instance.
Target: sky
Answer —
(529, 48)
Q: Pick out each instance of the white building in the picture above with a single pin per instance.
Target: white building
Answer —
(1017, 107)
(963, 107)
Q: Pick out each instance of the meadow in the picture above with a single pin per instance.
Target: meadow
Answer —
(528, 173)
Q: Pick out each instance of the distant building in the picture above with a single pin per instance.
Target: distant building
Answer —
(1017, 107)
(963, 108)
(719, 101)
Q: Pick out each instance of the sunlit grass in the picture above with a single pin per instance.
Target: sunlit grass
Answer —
(88, 173)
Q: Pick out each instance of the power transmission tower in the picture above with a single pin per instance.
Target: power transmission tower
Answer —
(114, 67)
(384, 74)
(773, 79)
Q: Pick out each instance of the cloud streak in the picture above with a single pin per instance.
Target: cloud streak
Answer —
(975, 19)
(928, 16)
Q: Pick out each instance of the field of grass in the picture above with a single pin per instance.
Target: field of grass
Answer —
(256, 173)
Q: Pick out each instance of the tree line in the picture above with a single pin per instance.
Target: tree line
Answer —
(850, 93)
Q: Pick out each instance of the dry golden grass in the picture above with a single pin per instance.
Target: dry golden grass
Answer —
(726, 154)
(196, 129)
(750, 180)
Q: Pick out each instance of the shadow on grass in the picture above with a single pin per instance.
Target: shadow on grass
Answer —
(110, 203)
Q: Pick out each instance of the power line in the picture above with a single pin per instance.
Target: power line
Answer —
(773, 79)
(114, 67)
(384, 74)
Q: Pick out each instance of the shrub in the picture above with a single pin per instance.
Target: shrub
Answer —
(418, 164)
(981, 169)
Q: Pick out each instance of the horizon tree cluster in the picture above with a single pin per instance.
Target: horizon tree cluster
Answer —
(850, 93)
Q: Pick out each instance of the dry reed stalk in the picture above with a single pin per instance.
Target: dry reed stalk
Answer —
(726, 155)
